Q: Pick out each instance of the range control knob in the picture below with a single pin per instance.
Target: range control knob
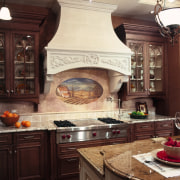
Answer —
(68, 136)
(94, 134)
(114, 131)
(118, 131)
(63, 136)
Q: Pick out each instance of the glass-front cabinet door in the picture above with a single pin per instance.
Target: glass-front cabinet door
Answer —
(146, 68)
(24, 64)
(2, 65)
(136, 80)
(155, 57)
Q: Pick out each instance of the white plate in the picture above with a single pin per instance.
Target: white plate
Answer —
(154, 154)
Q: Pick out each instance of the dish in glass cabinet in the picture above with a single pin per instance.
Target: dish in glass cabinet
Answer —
(22, 88)
(1, 43)
(164, 158)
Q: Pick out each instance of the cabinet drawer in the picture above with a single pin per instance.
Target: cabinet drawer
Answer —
(143, 136)
(72, 147)
(29, 137)
(139, 127)
(5, 139)
(165, 133)
(68, 165)
(163, 125)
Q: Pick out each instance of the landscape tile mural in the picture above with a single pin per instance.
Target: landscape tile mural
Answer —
(79, 91)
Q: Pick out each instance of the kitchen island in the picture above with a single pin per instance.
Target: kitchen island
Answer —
(116, 162)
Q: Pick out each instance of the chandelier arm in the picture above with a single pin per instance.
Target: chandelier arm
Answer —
(166, 29)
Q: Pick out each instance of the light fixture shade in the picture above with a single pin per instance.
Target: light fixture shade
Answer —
(169, 17)
(5, 14)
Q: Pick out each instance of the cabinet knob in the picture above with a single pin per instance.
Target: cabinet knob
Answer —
(15, 151)
(10, 152)
(12, 91)
(7, 91)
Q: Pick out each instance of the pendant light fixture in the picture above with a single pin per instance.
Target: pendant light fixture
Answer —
(168, 20)
(4, 12)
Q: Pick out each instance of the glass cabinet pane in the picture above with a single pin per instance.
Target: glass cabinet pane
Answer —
(2, 65)
(137, 67)
(155, 68)
(24, 64)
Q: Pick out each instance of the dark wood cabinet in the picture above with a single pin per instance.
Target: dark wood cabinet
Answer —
(24, 156)
(147, 130)
(68, 157)
(19, 65)
(148, 68)
(6, 159)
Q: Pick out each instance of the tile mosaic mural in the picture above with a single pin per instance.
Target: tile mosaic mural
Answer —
(79, 91)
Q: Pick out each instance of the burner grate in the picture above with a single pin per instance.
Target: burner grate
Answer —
(110, 121)
(64, 123)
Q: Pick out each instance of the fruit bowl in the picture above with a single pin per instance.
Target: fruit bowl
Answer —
(138, 115)
(172, 148)
(135, 116)
(9, 119)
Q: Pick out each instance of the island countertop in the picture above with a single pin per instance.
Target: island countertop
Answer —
(119, 159)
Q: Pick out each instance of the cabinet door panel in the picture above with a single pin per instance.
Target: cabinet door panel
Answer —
(137, 84)
(30, 162)
(155, 57)
(6, 163)
(3, 58)
(24, 64)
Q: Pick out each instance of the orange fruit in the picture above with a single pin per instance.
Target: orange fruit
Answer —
(27, 124)
(15, 115)
(6, 113)
(10, 115)
(23, 123)
(17, 124)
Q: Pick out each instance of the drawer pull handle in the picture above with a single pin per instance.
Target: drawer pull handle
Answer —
(71, 148)
(144, 126)
(2, 141)
(165, 125)
(28, 137)
(73, 159)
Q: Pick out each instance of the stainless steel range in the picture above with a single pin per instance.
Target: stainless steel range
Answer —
(89, 129)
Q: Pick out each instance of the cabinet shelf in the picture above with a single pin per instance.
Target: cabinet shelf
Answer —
(156, 79)
(22, 78)
(136, 79)
(22, 62)
(155, 67)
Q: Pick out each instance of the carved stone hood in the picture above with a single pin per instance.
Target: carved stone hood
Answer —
(86, 39)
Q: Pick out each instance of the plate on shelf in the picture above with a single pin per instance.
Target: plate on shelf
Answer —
(165, 159)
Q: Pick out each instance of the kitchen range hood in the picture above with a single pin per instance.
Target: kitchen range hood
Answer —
(85, 38)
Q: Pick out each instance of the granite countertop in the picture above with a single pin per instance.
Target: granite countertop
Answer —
(150, 118)
(118, 159)
(35, 125)
(45, 124)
